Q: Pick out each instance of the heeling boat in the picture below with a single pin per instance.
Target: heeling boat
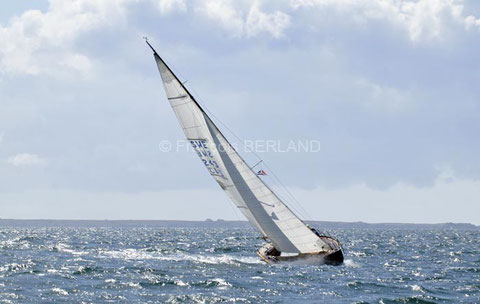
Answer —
(288, 237)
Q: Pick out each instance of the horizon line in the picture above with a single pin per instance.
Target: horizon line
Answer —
(231, 220)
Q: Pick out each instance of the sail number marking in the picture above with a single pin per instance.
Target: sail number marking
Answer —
(203, 151)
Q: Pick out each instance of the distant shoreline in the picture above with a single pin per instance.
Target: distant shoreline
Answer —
(220, 224)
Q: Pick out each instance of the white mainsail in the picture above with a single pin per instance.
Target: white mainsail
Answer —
(260, 205)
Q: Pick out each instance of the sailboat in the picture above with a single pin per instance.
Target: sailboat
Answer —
(287, 237)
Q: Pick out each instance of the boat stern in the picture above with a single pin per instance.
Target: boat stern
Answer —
(335, 258)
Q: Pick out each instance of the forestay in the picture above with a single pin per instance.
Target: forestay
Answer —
(261, 206)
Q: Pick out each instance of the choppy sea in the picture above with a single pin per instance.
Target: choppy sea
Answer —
(210, 265)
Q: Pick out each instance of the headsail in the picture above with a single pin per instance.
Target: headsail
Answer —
(260, 205)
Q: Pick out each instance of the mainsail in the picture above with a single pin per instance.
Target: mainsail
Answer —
(260, 205)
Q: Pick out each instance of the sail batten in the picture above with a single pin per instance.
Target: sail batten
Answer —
(260, 205)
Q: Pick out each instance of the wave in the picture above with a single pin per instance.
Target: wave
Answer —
(351, 263)
(139, 254)
(61, 247)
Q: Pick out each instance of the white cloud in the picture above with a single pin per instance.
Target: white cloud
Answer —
(449, 199)
(422, 20)
(248, 21)
(41, 43)
(167, 6)
(25, 160)
(274, 23)
(224, 12)
(472, 21)
(381, 97)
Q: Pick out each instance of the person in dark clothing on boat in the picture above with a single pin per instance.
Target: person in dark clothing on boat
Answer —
(314, 230)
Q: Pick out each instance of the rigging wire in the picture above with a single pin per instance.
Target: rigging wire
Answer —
(297, 206)
(292, 201)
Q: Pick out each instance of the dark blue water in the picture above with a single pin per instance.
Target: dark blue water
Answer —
(157, 265)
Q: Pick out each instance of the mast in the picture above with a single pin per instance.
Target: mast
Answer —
(201, 108)
(174, 75)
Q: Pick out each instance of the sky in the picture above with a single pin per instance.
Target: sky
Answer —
(389, 88)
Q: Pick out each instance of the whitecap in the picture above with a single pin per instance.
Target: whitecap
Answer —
(139, 254)
(132, 284)
(351, 263)
(417, 288)
(181, 283)
(60, 291)
(220, 282)
(61, 247)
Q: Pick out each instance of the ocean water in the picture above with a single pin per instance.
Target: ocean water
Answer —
(205, 265)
